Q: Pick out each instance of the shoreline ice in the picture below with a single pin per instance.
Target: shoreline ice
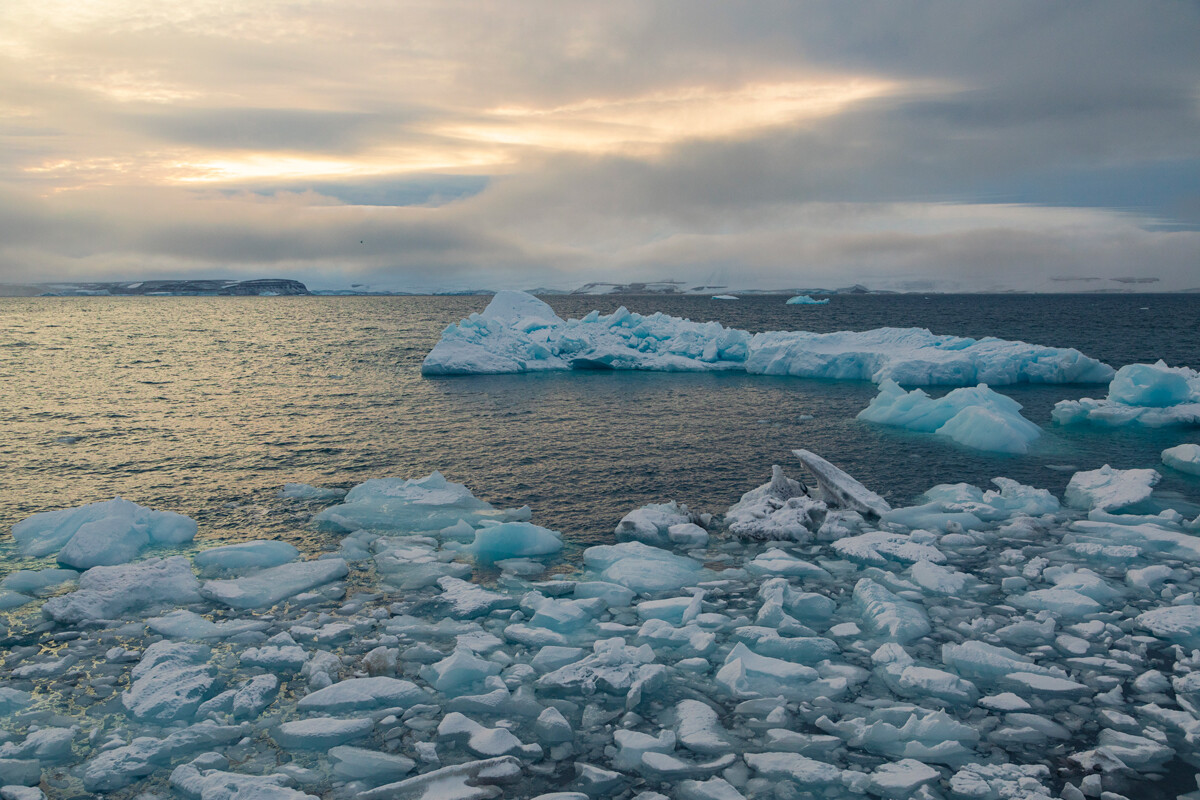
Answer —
(811, 639)
(519, 333)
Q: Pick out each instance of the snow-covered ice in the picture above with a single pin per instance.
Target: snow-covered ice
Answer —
(519, 333)
(1183, 457)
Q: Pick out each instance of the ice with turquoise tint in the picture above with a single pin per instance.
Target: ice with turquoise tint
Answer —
(811, 641)
(1183, 457)
(975, 417)
(519, 333)
(805, 300)
(1148, 395)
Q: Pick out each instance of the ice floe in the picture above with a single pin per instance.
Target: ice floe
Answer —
(812, 641)
(112, 532)
(805, 300)
(519, 333)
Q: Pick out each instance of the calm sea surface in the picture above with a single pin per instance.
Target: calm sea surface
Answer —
(207, 405)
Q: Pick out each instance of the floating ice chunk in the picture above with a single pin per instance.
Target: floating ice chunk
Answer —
(724, 297)
(11, 792)
(475, 780)
(519, 333)
(779, 509)
(651, 524)
(642, 568)
(170, 682)
(183, 624)
(878, 548)
(213, 784)
(1047, 685)
(1005, 701)
(469, 601)
(280, 657)
(1064, 603)
(362, 694)
(798, 649)
(410, 506)
(985, 662)
(302, 491)
(794, 767)
(112, 532)
(1175, 624)
(110, 592)
(13, 700)
(34, 582)
(1002, 781)
(257, 554)
(711, 789)
(887, 615)
(975, 417)
(839, 489)
(484, 742)
(1108, 489)
(46, 745)
(940, 580)
(266, 588)
(977, 506)
(116, 768)
(633, 745)
(370, 766)
(1183, 457)
(915, 681)
(1151, 395)
(614, 595)
(612, 667)
(900, 779)
(1148, 537)
(699, 729)
(321, 733)
(778, 562)
(462, 672)
(805, 300)
(514, 540)
(910, 732)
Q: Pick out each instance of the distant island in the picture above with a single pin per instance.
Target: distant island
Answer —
(268, 287)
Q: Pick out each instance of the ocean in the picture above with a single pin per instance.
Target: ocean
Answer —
(208, 405)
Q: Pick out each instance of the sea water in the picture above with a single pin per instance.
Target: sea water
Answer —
(207, 405)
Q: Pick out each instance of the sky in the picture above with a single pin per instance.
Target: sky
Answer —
(444, 145)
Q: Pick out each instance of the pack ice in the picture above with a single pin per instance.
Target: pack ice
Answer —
(1149, 395)
(813, 641)
(519, 333)
(975, 417)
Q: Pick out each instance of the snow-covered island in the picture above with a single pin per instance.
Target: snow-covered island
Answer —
(810, 641)
(519, 333)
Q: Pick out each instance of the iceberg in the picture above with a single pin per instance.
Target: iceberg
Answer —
(519, 333)
(975, 417)
(1148, 395)
(100, 534)
(805, 300)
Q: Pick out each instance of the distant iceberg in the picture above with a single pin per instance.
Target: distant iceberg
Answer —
(519, 333)
(725, 297)
(805, 300)
(975, 417)
(1149, 395)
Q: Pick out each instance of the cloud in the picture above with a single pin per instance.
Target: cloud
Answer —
(416, 143)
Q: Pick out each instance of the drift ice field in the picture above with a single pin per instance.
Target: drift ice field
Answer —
(822, 636)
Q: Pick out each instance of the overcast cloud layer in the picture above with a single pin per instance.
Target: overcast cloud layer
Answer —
(439, 145)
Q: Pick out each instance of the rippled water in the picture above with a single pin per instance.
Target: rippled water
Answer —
(206, 406)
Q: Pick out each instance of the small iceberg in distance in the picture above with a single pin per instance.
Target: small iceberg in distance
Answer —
(725, 297)
(975, 417)
(1150, 395)
(519, 333)
(805, 300)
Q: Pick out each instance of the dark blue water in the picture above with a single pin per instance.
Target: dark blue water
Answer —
(206, 406)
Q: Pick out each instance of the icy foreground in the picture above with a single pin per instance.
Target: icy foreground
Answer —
(974, 417)
(519, 333)
(1149, 395)
(813, 641)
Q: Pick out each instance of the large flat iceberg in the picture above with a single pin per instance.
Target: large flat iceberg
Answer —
(519, 333)
(975, 416)
(1148, 395)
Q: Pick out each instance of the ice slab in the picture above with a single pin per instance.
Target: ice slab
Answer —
(644, 569)
(975, 417)
(111, 592)
(1108, 489)
(360, 694)
(266, 588)
(839, 489)
(257, 554)
(1148, 395)
(1183, 457)
(100, 534)
(302, 491)
(519, 333)
(515, 540)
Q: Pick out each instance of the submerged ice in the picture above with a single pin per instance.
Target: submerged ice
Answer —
(519, 333)
(812, 641)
